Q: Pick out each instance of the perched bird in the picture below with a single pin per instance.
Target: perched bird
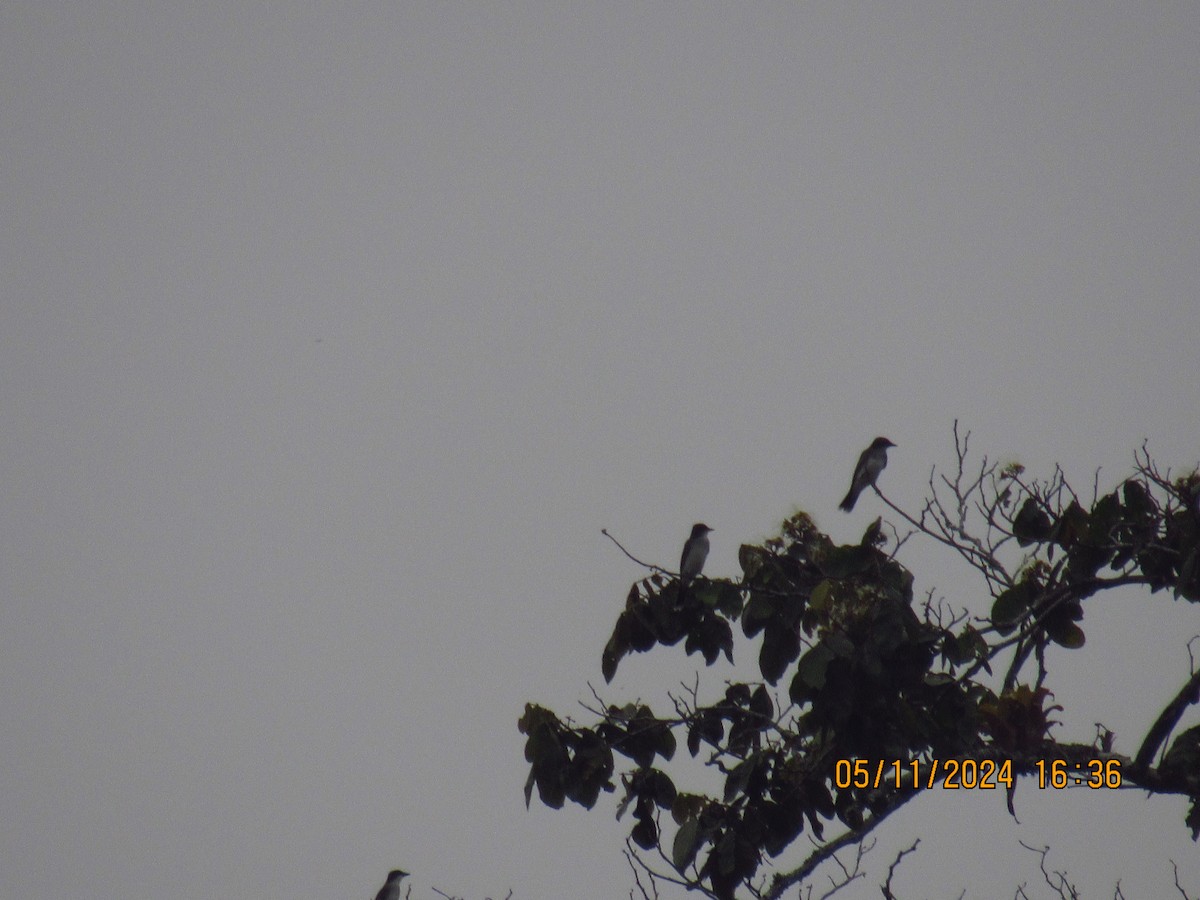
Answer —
(695, 551)
(391, 887)
(873, 536)
(870, 464)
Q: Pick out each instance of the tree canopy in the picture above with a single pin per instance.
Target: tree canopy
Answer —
(866, 696)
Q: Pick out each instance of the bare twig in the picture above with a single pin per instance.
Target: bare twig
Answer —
(651, 566)
(1056, 881)
(1178, 886)
(886, 887)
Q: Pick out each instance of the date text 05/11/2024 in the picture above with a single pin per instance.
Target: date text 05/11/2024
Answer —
(971, 774)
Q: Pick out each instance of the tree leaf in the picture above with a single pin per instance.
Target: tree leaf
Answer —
(686, 843)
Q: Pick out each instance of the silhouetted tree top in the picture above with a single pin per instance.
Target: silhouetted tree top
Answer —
(864, 698)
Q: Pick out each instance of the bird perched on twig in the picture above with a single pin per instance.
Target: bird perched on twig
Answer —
(695, 551)
(870, 464)
(391, 887)
(873, 536)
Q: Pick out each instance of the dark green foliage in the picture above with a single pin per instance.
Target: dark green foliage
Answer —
(1031, 523)
(565, 763)
(654, 615)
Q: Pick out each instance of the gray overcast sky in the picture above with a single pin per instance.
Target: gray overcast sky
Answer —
(333, 334)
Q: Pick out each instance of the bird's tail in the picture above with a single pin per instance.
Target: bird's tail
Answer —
(848, 503)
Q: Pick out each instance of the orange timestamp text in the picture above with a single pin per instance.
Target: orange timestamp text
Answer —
(971, 774)
(951, 774)
(1093, 773)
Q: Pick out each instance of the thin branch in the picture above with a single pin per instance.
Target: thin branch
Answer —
(886, 887)
(784, 880)
(1062, 887)
(632, 854)
(990, 568)
(645, 565)
(849, 874)
(637, 879)
(1178, 886)
(1167, 720)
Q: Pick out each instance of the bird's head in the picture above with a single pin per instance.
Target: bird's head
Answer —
(700, 529)
(881, 443)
